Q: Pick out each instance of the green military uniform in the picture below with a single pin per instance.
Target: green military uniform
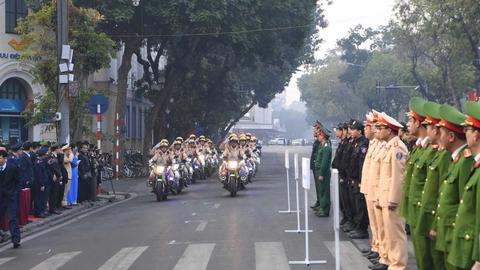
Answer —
(464, 247)
(424, 190)
(322, 168)
(406, 179)
(313, 156)
(453, 186)
(416, 106)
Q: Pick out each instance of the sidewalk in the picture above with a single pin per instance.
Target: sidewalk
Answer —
(36, 225)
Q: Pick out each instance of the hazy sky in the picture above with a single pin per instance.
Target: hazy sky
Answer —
(343, 15)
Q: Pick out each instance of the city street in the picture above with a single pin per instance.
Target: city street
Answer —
(202, 229)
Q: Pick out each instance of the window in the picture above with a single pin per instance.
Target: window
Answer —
(127, 122)
(134, 122)
(14, 10)
(12, 89)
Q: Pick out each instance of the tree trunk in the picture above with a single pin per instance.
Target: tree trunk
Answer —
(121, 102)
(451, 87)
(150, 120)
(234, 121)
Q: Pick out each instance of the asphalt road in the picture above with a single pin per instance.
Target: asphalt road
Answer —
(204, 228)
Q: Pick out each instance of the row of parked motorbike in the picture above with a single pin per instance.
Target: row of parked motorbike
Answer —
(173, 178)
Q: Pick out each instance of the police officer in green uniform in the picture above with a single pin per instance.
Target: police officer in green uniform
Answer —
(415, 118)
(322, 170)
(417, 182)
(464, 247)
(436, 166)
(452, 188)
(313, 156)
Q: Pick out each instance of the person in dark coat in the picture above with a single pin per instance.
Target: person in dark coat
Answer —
(56, 180)
(9, 190)
(42, 184)
(85, 176)
(25, 163)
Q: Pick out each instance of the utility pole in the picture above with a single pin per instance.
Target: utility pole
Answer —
(62, 39)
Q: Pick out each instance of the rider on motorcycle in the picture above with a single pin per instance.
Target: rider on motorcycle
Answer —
(179, 155)
(232, 152)
(161, 157)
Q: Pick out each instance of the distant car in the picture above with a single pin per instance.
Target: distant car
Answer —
(298, 142)
(278, 141)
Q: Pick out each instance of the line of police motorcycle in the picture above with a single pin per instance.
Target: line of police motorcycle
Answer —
(173, 178)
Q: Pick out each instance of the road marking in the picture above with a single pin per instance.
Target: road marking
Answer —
(172, 242)
(216, 206)
(270, 255)
(195, 257)
(56, 261)
(70, 221)
(123, 259)
(201, 227)
(349, 254)
(5, 260)
(194, 214)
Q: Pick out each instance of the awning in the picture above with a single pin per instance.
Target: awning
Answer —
(12, 105)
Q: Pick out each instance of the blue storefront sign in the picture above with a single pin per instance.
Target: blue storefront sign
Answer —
(12, 105)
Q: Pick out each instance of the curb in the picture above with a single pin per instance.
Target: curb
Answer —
(47, 223)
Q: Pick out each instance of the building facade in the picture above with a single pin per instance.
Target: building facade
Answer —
(18, 89)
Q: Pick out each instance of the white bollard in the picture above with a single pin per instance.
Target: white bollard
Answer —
(287, 167)
(306, 186)
(336, 216)
(298, 230)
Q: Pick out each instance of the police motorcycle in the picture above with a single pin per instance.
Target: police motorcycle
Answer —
(235, 177)
(250, 167)
(161, 178)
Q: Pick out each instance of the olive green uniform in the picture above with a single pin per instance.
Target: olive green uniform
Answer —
(322, 168)
(465, 232)
(450, 193)
(417, 182)
(429, 257)
(407, 178)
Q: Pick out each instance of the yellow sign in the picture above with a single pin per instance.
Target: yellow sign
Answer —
(19, 46)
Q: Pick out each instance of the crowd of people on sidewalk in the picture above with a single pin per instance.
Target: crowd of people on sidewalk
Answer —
(38, 180)
(422, 179)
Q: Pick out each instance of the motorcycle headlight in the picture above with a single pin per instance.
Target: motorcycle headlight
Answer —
(175, 167)
(159, 169)
(232, 165)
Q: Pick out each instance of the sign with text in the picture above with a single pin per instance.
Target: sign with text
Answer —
(306, 173)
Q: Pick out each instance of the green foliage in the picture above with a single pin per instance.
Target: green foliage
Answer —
(92, 52)
(326, 97)
(217, 67)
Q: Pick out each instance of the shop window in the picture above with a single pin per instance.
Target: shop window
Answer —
(14, 10)
(12, 89)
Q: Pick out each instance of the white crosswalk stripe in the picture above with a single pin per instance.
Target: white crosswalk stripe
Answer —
(56, 261)
(270, 255)
(5, 260)
(123, 259)
(195, 257)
